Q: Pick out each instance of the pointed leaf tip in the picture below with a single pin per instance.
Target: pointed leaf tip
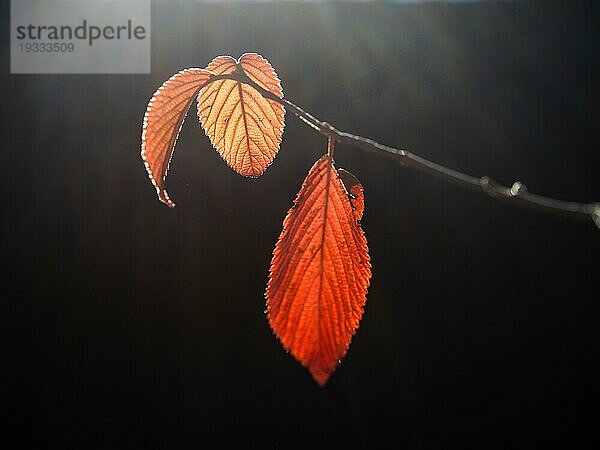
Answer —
(320, 273)
(164, 117)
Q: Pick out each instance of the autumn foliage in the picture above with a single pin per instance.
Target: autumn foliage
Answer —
(242, 125)
(321, 268)
(164, 116)
(319, 273)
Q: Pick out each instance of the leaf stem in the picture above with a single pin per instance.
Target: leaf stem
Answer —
(516, 195)
(330, 146)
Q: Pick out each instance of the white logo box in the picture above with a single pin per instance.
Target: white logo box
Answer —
(80, 36)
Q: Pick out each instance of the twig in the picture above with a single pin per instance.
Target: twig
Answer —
(517, 194)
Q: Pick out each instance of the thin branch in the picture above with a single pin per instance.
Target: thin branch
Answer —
(517, 194)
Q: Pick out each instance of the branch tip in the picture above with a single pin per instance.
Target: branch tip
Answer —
(595, 214)
(517, 194)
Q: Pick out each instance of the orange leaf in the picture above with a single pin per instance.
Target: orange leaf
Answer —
(243, 126)
(320, 272)
(164, 116)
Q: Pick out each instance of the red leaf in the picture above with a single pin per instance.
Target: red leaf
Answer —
(355, 190)
(243, 126)
(164, 116)
(320, 271)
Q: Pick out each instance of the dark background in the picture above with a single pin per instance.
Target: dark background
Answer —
(130, 325)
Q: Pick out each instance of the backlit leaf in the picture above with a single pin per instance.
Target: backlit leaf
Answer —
(243, 126)
(320, 271)
(356, 191)
(164, 116)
